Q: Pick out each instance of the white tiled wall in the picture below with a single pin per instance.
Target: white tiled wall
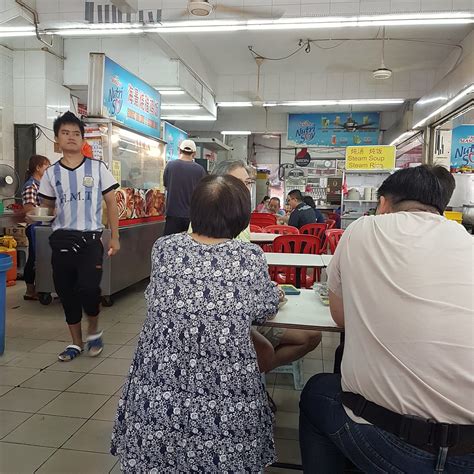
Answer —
(6, 103)
(39, 96)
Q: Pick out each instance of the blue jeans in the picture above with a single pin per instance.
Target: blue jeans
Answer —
(328, 436)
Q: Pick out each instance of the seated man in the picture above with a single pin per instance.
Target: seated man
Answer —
(301, 213)
(401, 283)
(318, 214)
(274, 207)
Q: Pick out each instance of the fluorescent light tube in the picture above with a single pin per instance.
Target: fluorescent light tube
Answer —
(180, 107)
(197, 118)
(404, 136)
(315, 103)
(234, 104)
(170, 92)
(16, 34)
(468, 90)
(236, 132)
(197, 26)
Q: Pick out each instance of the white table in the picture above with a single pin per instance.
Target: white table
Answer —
(304, 311)
(294, 259)
(262, 237)
(326, 260)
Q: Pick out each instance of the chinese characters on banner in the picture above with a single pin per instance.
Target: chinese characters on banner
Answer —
(130, 101)
(366, 158)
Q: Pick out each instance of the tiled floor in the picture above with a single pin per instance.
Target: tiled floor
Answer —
(57, 417)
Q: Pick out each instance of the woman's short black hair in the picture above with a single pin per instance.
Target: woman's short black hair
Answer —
(424, 184)
(220, 207)
(68, 117)
(308, 200)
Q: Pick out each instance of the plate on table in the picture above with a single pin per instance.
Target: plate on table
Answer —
(40, 218)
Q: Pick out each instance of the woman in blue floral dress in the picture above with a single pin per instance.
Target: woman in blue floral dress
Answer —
(194, 400)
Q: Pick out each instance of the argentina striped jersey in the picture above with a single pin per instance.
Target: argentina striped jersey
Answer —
(78, 194)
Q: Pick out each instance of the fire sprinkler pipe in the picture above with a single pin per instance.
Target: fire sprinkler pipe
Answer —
(36, 22)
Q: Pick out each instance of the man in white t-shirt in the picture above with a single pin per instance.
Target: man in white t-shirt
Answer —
(401, 283)
(75, 187)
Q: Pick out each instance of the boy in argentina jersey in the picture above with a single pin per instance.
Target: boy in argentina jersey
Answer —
(75, 188)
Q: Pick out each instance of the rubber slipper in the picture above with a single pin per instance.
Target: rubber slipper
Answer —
(95, 344)
(70, 353)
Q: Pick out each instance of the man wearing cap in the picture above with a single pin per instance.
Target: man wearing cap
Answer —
(180, 178)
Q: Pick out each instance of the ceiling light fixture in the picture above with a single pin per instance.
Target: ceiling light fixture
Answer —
(16, 34)
(170, 92)
(316, 103)
(236, 132)
(180, 107)
(404, 136)
(234, 104)
(197, 118)
(202, 26)
(468, 90)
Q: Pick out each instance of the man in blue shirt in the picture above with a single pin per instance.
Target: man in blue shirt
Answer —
(301, 213)
(180, 178)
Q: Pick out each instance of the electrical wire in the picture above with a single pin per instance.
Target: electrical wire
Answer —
(40, 132)
(258, 55)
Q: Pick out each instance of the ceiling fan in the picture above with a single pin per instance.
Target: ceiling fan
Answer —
(382, 72)
(204, 8)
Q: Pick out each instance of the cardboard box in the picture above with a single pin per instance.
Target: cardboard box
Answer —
(19, 234)
(16, 231)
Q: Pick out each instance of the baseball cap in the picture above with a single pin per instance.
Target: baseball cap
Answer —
(188, 145)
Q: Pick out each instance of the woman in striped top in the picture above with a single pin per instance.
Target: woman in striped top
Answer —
(36, 168)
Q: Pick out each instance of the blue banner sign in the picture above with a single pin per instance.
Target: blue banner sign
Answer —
(131, 101)
(333, 129)
(173, 137)
(462, 147)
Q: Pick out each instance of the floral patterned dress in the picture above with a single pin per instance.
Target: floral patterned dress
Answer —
(194, 400)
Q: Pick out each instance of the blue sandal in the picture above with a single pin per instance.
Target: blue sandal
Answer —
(70, 353)
(95, 344)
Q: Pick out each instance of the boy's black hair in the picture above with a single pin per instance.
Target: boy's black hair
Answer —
(68, 118)
(424, 184)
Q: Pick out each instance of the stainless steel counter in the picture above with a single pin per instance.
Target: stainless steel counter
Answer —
(131, 265)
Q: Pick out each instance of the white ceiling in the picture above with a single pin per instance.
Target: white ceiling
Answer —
(228, 53)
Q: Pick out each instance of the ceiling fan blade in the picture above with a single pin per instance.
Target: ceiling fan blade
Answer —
(269, 13)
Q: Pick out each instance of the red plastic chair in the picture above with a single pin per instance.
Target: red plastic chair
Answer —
(262, 219)
(314, 229)
(318, 231)
(333, 236)
(256, 228)
(281, 229)
(331, 223)
(335, 217)
(308, 244)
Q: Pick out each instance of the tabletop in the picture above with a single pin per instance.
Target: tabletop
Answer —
(326, 260)
(262, 237)
(294, 259)
(304, 311)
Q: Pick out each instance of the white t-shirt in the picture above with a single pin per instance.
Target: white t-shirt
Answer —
(78, 193)
(406, 280)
